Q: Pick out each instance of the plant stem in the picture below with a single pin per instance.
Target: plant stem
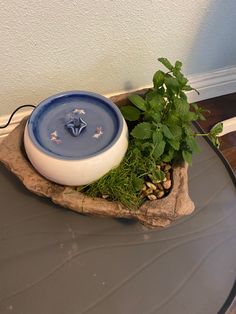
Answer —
(202, 134)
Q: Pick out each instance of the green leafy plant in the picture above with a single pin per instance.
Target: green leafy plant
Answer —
(164, 117)
(161, 133)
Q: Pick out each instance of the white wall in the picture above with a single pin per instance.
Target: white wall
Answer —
(106, 46)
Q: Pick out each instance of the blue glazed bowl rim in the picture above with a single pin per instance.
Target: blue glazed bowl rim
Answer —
(45, 102)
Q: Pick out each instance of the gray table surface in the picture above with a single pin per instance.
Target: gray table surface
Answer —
(53, 260)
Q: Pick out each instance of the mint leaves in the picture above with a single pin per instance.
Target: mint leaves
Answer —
(158, 79)
(142, 131)
(138, 101)
(168, 65)
(130, 113)
(215, 131)
(163, 118)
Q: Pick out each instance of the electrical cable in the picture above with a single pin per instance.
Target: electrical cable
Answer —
(13, 113)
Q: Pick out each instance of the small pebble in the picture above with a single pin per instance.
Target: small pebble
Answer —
(160, 194)
(167, 184)
(144, 187)
(167, 167)
(156, 181)
(105, 196)
(157, 189)
(148, 192)
(160, 187)
(152, 197)
(151, 186)
(168, 175)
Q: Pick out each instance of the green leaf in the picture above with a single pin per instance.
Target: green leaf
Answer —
(201, 117)
(172, 119)
(172, 83)
(151, 116)
(161, 91)
(182, 80)
(137, 182)
(178, 65)
(130, 113)
(158, 79)
(158, 175)
(187, 88)
(166, 63)
(150, 95)
(180, 77)
(174, 143)
(214, 133)
(183, 96)
(142, 130)
(157, 137)
(187, 130)
(176, 130)
(159, 149)
(156, 117)
(155, 100)
(136, 152)
(189, 116)
(192, 116)
(192, 144)
(169, 155)
(199, 111)
(166, 131)
(138, 101)
(147, 145)
(158, 126)
(195, 106)
(217, 129)
(181, 106)
(148, 115)
(187, 156)
(215, 141)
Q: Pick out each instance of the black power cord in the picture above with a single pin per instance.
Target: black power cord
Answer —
(13, 113)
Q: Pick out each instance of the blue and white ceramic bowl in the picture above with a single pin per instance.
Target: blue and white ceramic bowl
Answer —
(74, 138)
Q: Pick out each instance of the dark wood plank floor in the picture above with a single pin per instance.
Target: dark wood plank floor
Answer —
(222, 108)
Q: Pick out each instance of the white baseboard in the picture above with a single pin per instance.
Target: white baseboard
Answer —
(211, 84)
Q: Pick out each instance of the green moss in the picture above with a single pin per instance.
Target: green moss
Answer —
(124, 183)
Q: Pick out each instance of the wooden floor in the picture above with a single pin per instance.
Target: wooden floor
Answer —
(222, 108)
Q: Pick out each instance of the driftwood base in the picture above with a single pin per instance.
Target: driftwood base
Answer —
(158, 213)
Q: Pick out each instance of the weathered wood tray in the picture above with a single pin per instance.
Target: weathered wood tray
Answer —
(158, 213)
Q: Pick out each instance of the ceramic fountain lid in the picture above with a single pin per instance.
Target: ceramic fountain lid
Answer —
(75, 125)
